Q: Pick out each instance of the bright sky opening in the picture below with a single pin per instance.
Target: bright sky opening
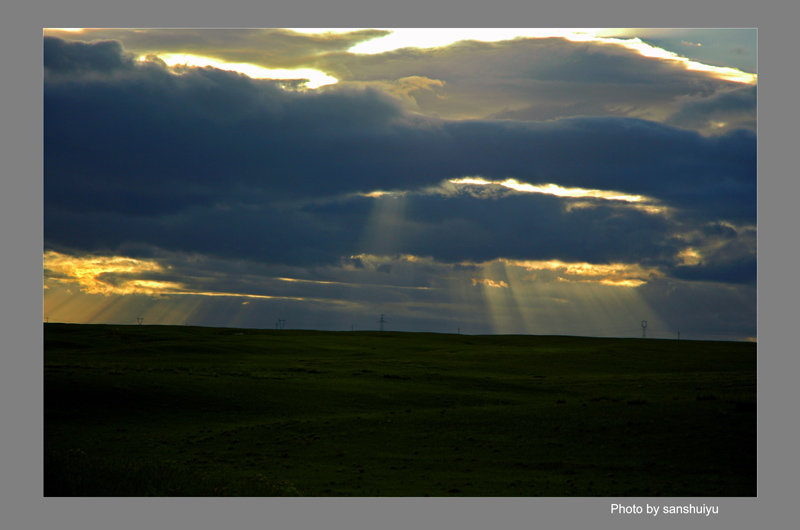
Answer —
(315, 78)
(552, 189)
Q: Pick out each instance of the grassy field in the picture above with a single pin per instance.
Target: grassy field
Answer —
(189, 411)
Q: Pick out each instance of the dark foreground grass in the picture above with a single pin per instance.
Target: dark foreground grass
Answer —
(184, 411)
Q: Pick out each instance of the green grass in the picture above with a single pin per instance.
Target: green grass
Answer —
(186, 411)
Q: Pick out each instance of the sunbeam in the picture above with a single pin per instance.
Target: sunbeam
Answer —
(384, 231)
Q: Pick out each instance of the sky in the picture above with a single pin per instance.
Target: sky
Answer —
(514, 181)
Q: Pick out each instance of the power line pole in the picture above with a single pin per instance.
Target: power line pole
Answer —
(382, 320)
(644, 329)
(140, 320)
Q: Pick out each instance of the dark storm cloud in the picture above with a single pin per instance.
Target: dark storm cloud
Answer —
(741, 271)
(210, 128)
(735, 107)
(533, 226)
(62, 56)
(679, 167)
(448, 229)
(728, 255)
(267, 233)
(217, 163)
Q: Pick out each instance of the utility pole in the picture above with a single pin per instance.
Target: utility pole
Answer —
(382, 320)
(644, 329)
(140, 320)
(280, 323)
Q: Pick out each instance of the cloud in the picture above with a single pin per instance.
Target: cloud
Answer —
(268, 48)
(205, 125)
(209, 161)
(71, 57)
(343, 195)
(720, 252)
(722, 111)
(715, 46)
(740, 271)
(449, 230)
(525, 78)
(490, 283)
(533, 79)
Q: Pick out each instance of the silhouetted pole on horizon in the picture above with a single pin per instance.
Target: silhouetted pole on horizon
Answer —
(644, 329)
(140, 320)
(382, 320)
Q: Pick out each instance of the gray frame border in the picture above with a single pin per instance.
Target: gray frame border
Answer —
(21, 499)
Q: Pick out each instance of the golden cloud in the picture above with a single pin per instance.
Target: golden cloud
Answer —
(106, 275)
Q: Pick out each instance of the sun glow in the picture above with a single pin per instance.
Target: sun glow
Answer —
(552, 189)
(438, 37)
(315, 78)
(618, 274)
(690, 256)
(490, 283)
(513, 296)
(105, 275)
(116, 275)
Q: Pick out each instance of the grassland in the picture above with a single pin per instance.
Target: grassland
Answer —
(188, 411)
